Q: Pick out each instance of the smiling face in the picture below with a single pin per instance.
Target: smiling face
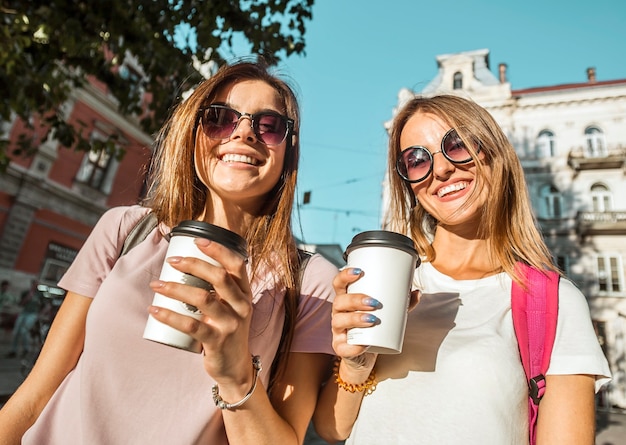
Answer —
(449, 193)
(241, 169)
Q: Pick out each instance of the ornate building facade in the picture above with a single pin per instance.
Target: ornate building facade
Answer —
(571, 140)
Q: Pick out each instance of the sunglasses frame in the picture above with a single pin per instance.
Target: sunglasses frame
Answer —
(400, 161)
(289, 123)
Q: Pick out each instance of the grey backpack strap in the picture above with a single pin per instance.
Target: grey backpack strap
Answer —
(144, 226)
(304, 259)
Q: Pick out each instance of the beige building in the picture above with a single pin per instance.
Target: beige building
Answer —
(571, 140)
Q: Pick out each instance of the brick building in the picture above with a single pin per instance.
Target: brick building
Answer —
(50, 202)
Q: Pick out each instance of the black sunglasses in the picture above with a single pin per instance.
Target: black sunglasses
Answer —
(416, 163)
(220, 121)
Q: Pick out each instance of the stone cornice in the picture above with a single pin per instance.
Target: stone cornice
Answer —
(103, 104)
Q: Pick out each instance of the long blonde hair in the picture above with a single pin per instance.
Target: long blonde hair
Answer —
(176, 193)
(508, 223)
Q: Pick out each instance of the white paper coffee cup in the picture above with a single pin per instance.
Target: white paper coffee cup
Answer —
(182, 243)
(388, 261)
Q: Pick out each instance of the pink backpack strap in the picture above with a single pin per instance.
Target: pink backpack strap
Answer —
(534, 319)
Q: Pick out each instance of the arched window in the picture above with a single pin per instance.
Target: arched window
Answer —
(596, 146)
(458, 81)
(544, 147)
(98, 167)
(601, 198)
(551, 205)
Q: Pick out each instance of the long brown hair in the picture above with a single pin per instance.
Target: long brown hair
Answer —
(176, 193)
(508, 223)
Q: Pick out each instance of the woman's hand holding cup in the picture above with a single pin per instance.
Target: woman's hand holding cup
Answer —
(352, 310)
(224, 309)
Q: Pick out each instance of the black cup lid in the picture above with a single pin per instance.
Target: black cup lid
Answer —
(382, 238)
(221, 235)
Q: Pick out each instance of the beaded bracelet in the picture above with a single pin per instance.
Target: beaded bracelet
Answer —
(369, 385)
(215, 390)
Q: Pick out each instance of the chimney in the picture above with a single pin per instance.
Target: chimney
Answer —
(591, 75)
(502, 72)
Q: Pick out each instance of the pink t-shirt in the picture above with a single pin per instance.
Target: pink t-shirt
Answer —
(128, 390)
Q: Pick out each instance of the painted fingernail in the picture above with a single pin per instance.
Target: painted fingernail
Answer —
(157, 283)
(202, 242)
(372, 302)
(174, 259)
(369, 318)
(355, 271)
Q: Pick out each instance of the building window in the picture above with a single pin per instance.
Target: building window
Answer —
(544, 147)
(601, 198)
(563, 263)
(551, 202)
(610, 274)
(458, 81)
(131, 71)
(98, 168)
(58, 258)
(134, 77)
(596, 146)
(94, 168)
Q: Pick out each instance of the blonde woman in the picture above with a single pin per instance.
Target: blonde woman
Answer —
(227, 156)
(457, 188)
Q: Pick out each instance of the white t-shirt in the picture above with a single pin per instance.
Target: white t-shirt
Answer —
(459, 378)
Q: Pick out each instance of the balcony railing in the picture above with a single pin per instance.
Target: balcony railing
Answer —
(579, 159)
(591, 223)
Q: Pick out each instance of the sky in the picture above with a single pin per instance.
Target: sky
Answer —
(360, 53)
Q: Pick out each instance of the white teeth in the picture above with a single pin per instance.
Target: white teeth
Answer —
(231, 157)
(451, 188)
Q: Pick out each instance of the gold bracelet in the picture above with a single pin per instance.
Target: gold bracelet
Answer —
(369, 385)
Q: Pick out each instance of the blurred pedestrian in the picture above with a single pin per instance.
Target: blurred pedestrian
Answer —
(6, 298)
(8, 307)
(31, 302)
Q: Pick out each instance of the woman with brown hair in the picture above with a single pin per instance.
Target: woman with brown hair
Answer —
(458, 190)
(228, 156)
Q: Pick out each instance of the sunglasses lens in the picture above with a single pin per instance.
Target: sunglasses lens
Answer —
(414, 163)
(219, 123)
(455, 149)
(270, 128)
